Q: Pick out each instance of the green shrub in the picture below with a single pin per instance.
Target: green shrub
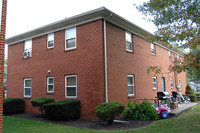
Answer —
(13, 106)
(141, 111)
(40, 101)
(191, 93)
(63, 110)
(108, 111)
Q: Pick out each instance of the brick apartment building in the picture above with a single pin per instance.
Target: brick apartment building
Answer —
(95, 57)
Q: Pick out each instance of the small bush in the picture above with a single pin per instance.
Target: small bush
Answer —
(13, 106)
(108, 111)
(191, 93)
(141, 111)
(40, 101)
(63, 110)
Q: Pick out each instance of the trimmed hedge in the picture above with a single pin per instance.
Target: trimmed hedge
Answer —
(40, 101)
(108, 111)
(63, 110)
(13, 106)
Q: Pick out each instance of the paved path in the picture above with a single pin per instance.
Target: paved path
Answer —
(180, 110)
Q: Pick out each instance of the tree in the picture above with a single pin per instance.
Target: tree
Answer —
(178, 21)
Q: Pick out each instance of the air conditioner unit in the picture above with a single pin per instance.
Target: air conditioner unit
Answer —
(27, 54)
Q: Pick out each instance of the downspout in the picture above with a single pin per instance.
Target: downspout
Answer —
(105, 57)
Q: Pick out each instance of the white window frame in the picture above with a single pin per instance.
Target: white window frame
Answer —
(170, 55)
(132, 85)
(28, 50)
(179, 58)
(180, 84)
(131, 41)
(50, 84)
(25, 43)
(70, 38)
(171, 83)
(70, 86)
(27, 87)
(153, 49)
(48, 36)
(154, 83)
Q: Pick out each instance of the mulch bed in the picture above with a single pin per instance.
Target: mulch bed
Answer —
(119, 124)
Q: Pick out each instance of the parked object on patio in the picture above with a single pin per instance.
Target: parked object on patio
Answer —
(164, 97)
(163, 110)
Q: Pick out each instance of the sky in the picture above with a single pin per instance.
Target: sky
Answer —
(26, 15)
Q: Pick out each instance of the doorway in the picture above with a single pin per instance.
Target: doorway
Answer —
(163, 84)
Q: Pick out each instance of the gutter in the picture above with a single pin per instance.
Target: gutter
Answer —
(105, 57)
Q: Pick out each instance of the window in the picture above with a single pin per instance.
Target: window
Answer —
(179, 58)
(129, 45)
(28, 45)
(171, 83)
(27, 87)
(50, 40)
(131, 89)
(170, 55)
(154, 83)
(180, 84)
(70, 38)
(70, 86)
(50, 84)
(153, 49)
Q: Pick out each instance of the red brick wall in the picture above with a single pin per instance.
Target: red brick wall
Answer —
(122, 63)
(2, 42)
(86, 61)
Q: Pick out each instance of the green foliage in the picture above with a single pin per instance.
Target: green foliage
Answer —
(155, 69)
(141, 111)
(191, 93)
(63, 110)
(178, 21)
(40, 101)
(13, 106)
(108, 111)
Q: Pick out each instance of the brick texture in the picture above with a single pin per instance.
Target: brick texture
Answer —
(2, 43)
(87, 62)
(122, 63)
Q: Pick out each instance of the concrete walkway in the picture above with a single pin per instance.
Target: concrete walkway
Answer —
(180, 110)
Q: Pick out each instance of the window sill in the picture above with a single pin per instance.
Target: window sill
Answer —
(129, 51)
(69, 49)
(50, 48)
(155, 89)
(70, 97)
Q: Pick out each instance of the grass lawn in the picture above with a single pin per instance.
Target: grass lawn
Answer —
(185, 123)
